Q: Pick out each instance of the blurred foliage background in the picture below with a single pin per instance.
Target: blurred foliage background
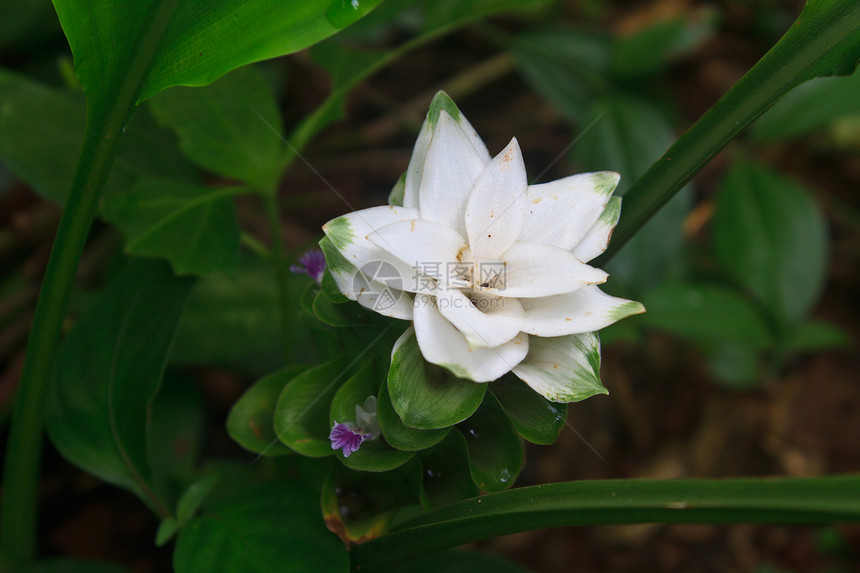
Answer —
(745, 364)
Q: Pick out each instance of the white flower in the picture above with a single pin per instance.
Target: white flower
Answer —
(491, 271)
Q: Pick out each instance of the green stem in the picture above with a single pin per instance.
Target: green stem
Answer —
(106, 118)
(825, 32)
(20, 476)
(281, 270)
(748, 500)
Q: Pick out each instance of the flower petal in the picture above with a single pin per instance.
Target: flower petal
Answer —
(380, 295)
(561, 212)
(597, 238)
(451, 169)
(428, 248)
(537, 270)
(485, 320)
(496, 210)
(583, 310)
(415, 171)
(564, 368)
(349, 236)
(441, 343)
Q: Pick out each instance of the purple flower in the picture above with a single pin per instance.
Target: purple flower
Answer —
(312, 264)
(347, 438)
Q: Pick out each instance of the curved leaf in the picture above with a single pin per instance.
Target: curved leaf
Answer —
(535, 418)
(398, 434)
(273, 527)
(251, 419)
(193, 227)
(108, 372)
(495, 449)
(426, 396)
(446, 477)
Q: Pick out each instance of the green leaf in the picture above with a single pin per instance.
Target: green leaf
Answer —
(337, 314)
(424, 395)
(830, 499)
(229, 321)
(273, 527)
(535, 418)
(108, 371)
(70, 566)
(704, 312)
(373, 455)
(251, 419)
(165, 532)
(193, 497)
(446, 477)
(816, 336)
(650, 49)
(151, 45)
(770, 236)
(811, 105)
(231, 127)
(301, 413)
(495, 449)
(626, 135)
(193, 227)
(41, 130)
(398, 434)
(563, 65)
(824, 41)
(459, 561)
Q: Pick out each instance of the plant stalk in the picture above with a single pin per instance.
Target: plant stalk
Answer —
(823, 26)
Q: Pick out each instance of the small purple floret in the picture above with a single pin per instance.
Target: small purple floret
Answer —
(312, 264)
(345, 437)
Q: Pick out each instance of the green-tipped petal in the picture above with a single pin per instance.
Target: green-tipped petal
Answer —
(564, 368)
(584, 310)
(597, 238)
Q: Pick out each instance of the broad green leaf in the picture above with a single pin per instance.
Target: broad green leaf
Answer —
(301, 414)
(231, 127)
(108, 371)
(230, 321)
(398, 434)
(424, 395)
(41, 130)
(70, 566)
(273, 527)
(446, 477)
(626, 135)
(193, 227)
(337, 314)
(165, 532)
(829, 499)
(374, 455)
(647, 51)
(535, 418)
(816, 336)
(458, 561)
(153, 44)
(770, 236)
(564, 66)
(495, 449)
(705, 312)
(809, 106)
(251, 419)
